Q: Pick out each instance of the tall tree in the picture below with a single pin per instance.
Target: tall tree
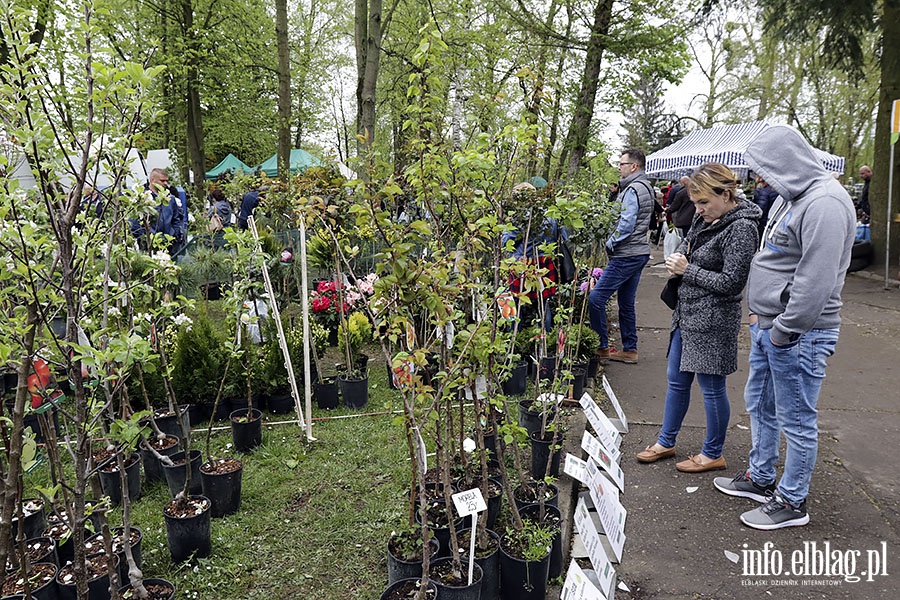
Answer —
(284, 89)
(647, 124)
(843, 25)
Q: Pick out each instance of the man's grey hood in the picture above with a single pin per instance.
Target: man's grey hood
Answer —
(781, 156)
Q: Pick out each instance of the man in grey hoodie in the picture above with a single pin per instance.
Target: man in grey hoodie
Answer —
(794, 295)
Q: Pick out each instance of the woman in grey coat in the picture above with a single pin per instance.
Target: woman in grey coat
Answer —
(714, 260)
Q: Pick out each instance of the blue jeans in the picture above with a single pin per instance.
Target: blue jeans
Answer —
(620, 275)
(782, 393)
(678, 399)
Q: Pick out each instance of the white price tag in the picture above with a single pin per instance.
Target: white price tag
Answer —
(469, 502)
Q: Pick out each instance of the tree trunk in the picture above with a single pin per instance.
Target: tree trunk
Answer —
(890, 91)
(368, 71)
(579, 130)
(195, 156)
(284, 90)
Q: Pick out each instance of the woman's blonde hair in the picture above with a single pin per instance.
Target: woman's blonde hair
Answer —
(710, 179)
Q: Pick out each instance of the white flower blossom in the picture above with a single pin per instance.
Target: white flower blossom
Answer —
(183, 319)
(114, 311)
(469, 445)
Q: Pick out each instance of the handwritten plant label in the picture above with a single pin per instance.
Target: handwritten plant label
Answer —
(469, 502)
(616, 406)
(604, 428)
(603, 457)
(611, 512)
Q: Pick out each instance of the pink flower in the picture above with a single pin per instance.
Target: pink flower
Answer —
(584, 286)
(596, 272)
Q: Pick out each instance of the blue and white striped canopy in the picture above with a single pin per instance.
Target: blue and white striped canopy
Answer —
(724, 144)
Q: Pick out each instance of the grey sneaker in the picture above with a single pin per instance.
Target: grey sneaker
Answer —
(744, 487)
(776, 514)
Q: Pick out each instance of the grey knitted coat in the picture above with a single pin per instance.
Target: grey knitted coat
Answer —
(709, 300)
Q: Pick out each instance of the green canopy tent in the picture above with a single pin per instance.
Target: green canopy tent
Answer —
(230, 163)
(300, 161)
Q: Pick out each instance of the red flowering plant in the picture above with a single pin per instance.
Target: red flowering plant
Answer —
(328, 300)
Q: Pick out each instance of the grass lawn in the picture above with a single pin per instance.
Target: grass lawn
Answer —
(314, 517)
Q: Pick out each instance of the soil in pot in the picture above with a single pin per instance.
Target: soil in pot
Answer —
(39, 550)
(354, 390)
(98, 579)
(65, 550)
(94, 545)
(246, 429)
(43, 582)
(404, 555)
(34, 517)
(175, 474)
(221, 479)
(528, 493)
(408, 589)
(487, 556)
(159, 589)
(540, 454)
(110, 479)
(166, 446)
(455, 585)
(188, 528)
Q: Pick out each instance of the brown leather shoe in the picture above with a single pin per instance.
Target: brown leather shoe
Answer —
(649, 455)
(602, 354)
(700, 463)
(626, 356)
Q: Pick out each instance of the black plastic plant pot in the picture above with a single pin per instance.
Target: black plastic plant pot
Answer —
(65, 547)
(408, 588)
(489, 562)
(439, 530)
(400, 567)
(456, 590)
(94, 545)
(551, 517)
(189, 531)
(111, 481)
(547, 370)
(44, 591)
(540, 454)
(326, 392)
(159, 589)
(518, 380)
(153, 470)
(355, 391)
(579, 376)
(168, 422)
(176, 473)
(98, 586)
(221, 481)
(523, 579)
(281, 403)
(593, 367)
(526, 494)
(35, 519)
(39, 550)
(531, 420)
(246, 429)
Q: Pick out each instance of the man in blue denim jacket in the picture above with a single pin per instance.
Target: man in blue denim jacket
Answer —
(794, 295)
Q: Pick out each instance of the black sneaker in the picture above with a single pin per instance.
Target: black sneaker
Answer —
(744, 487)
(776, 514)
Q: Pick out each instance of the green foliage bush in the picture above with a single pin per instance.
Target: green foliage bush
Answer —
(198, 361)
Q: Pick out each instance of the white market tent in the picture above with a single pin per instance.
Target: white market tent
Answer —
(724, 144)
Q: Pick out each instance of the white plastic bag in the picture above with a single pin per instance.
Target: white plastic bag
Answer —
(672, 241)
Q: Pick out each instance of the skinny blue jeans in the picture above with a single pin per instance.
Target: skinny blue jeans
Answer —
(782, 393)
(678, 399)
(620, 275)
